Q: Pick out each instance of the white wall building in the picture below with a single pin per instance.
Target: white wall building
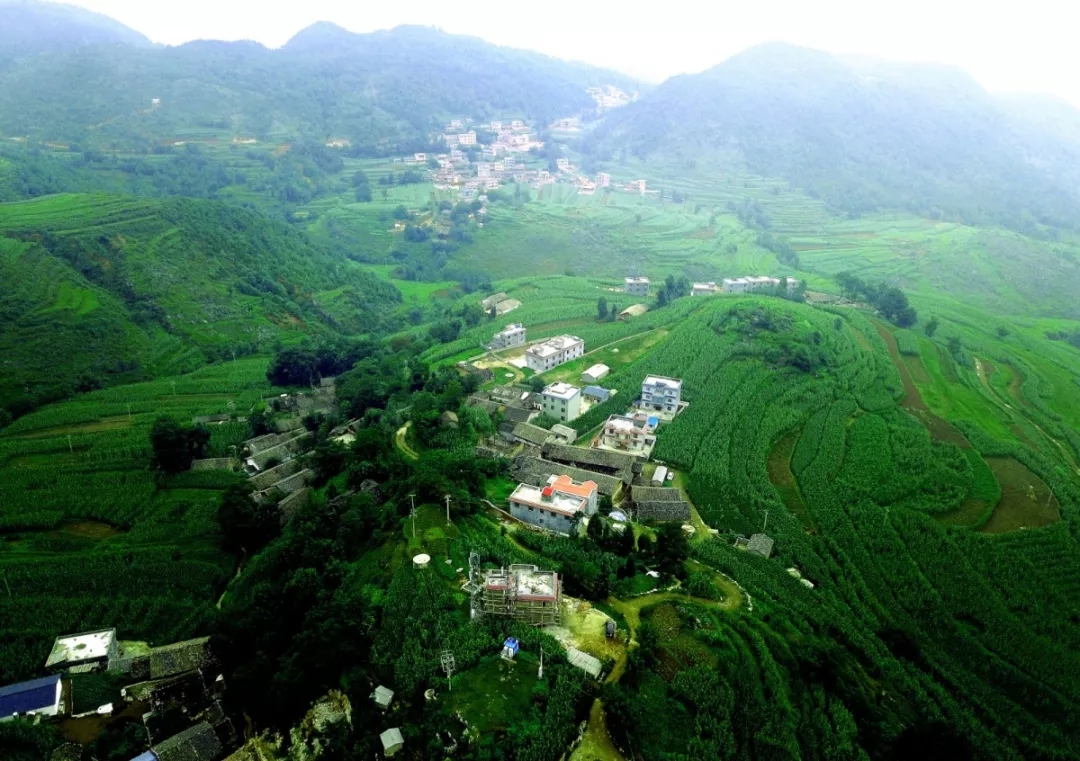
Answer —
(595, 373)
(467, 138)
(561, 401)
(661, 394)
(638, 286)
(749, 284)
(510, 336)
(703, 289)
(603, 180)
(80, 653)
(553, 352)
(629, 433)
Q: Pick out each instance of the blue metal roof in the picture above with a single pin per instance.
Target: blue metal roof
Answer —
(597, 391)
(28, 696)
(147, 756)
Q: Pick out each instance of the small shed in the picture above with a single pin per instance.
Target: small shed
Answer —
(585, 662)
(197, 743)
(510, 648)
(634, 311)
(760, 544)
(392, 741)
(595, 373)
(78, 653)
(659, 475)
(564, 432)
(596, 394)
(383, 696)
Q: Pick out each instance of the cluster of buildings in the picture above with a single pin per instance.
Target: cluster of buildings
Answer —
(609, 97)
(177, 689)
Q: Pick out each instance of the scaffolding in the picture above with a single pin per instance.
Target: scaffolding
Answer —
(522, 592)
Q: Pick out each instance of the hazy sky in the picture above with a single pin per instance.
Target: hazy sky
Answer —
(1007, 46)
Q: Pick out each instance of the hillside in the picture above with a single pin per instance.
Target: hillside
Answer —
(862, 135)
(28, 27)
(375, 90)
(99, 288)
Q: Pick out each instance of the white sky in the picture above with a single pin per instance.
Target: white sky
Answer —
(1007, 45)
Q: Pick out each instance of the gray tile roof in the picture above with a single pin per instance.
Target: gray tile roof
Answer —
(198, 743)
(615, 463)
(760, 544)
(533, 434)
(536, 471)
(179, 657)
(655, 494)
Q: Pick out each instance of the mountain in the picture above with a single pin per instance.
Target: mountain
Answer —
(381, 90)
(862, 135)
(96, 289)
(30, 28)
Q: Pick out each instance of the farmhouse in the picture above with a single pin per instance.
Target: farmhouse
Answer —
(561, 401)
(492, 300)
(506, 305)
(595, 373)
(659, 504)
(538, 472)
(81, 653)
(660, 393)
(562, 165)
(511, 335)
(38, 697)
(603, 180)
(750, 284)
(553, 352)
(638, 286)
(703, 289)
(618, 464)
(193, 744)
(555, 507)
(522, 592)
(531, 434)
(596, 394)
(635, 433)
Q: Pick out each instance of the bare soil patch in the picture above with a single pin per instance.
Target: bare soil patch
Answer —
(1026, 500)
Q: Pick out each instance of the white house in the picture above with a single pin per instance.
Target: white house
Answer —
(467, 138)
(80, 653)
(561, 401)
(629, 433)
(510, 336)
(556, 506)
(392, 741)
(749, 284)
(603, 180)
(638, 286)
(595, 373)
(661, 394)
(562, 164)
(703, 289)
(553, 352)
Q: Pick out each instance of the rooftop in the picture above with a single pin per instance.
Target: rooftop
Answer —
(587, 663)
(548, 498)
(640, 280)
(562, 390)
(596, 391)
(28, 696)
(598, 368)
(391, 738)
(660, 380)
(762, 544)
(76, 648)
(565, 484)
(627, 424)
(382, 695)
(554, 345)
(510, 328)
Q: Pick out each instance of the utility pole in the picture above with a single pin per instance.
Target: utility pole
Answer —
(412, 500)
(766, 524)
(447, 508)
(448, 665)
(70, 448)
(540, 673)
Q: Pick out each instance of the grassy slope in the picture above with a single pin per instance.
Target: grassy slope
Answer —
(137, 553)
(110, 287)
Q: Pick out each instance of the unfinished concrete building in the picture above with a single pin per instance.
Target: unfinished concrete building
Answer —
(522, 592)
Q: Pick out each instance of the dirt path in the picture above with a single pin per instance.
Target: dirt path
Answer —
(403, 445)
(221, 599)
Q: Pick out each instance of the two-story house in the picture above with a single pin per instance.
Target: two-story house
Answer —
(661, 394)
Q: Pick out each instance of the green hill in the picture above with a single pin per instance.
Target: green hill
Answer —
(862, 135)
(97, 288)
(28, 27)
(376, 90)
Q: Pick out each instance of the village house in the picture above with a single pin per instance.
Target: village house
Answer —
(38, 697)
(635, 310)
(567, 123)
(517, 125)
(467, 138)
(561, 401)
(750, 284)
(557, 506)
(510, 336)
(492, 300)
(495, 126)
(603, 180)
(455, 124)
(703, 289)
(420, 158)
(523, 592)
(638, 286)
(595, 373)
(562, 165)
(630, 433)
(661, 394)
(596, 394)
(553, 352)
(82, 653)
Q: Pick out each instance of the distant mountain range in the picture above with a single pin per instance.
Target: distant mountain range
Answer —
(30, 28)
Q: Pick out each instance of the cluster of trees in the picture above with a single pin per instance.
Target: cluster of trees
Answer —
(307, 365)
(890, 301)
(785, 254)
(672, 289)
(176, 445)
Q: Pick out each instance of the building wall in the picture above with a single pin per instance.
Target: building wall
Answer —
(546, 519)
(658, 398)
(563, 409)
(638, 289)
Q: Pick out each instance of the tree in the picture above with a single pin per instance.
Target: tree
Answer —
(247, 525)
(1002, 331)
(536, 383)
(661, 298)
(931, 327)
(175, 446)
(672, 548)
(601, 309)
(293, 367)
(955, 346)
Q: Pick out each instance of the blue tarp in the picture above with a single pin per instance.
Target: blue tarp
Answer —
(29, 696)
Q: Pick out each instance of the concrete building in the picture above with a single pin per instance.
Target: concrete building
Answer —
(662, 394)
(383, 696)
(467, 138)
(628, 433)
(561, 401)
(38, 697)
(638, 286)
(750, 284)
(603, 180)
(760, 544)
(595, 373)
(517, 125)
(553, 352)
(703, 289)
(555, 507)
(596, 394)
(508, 337)
(522, 592)
(562, 164)
(81, 653)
